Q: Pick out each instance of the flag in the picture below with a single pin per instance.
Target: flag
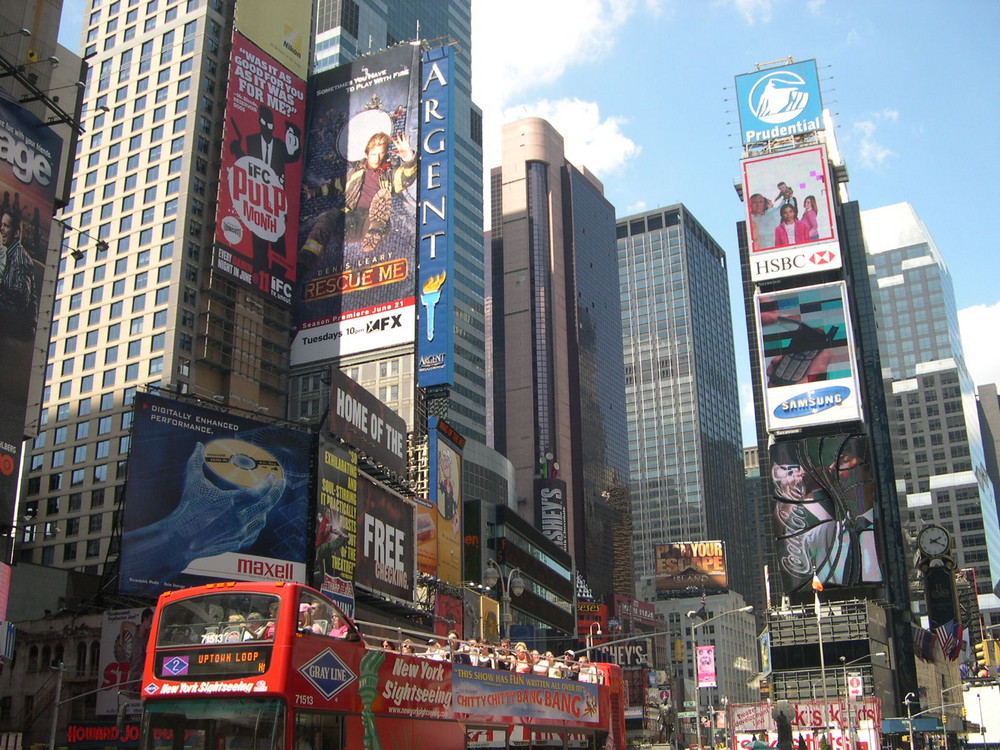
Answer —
(947, 638)
(923, 643)
(817, 583)
(703, 611)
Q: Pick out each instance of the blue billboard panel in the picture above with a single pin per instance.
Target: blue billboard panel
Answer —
(212, 497)
(779, 102)
(435, 337)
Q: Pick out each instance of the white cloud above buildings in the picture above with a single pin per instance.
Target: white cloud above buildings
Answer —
(979, 325)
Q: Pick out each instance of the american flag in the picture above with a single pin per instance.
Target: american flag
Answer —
(703, 612)
(949, 636)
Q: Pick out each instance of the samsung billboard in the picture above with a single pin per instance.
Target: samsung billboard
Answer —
(779, 102)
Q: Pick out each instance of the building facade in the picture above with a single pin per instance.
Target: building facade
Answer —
(346, 30)
(938, 452)
(556, 347)
(681, 390)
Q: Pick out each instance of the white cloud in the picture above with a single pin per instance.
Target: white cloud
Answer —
(979, 325)
(592, 142)
(637, 208)
(754, 11)
(871, 152)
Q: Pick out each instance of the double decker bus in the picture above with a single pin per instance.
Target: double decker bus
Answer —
(276, 666)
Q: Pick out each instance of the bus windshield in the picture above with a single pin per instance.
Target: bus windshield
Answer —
(224, 617)
(234, 724)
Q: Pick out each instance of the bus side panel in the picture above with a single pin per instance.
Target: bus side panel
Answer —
(393, 732)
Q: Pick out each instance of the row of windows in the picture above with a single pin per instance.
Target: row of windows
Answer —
(71, 503)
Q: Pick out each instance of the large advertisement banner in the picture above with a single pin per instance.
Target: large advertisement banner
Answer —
(361, 420)
(824, 497)
(386, 555)
(124, 638)
(435, 365)
(261, 171)
(808, 361)
(211, 496)
(706, 666)
(282, 30)
(446, 475)
(336, 545)
(790, 214)
(489, 692)
(690, 566)
(426, 514)
(550, 509)
(779, 102)
(358, 233)
(29, 160)
(821, 724)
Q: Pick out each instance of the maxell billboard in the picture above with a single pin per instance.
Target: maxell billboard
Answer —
(824, 524)
(358, 418)
(437, 256)
(790, 214)
(685, 567)
(211, 496)
(357, 229)
(779, 102)
(256, 231)
(808, 362)
(29, 159)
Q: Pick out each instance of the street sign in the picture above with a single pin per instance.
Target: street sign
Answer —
(688, 704)
(687, 714)
(855, 685)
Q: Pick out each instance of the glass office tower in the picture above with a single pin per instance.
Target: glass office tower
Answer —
(685, 455)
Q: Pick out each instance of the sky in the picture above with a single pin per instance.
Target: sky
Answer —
(642, 91)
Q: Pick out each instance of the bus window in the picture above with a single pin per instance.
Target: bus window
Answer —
(318, 731)
(204, 724)
(216, 618)
(321, 617)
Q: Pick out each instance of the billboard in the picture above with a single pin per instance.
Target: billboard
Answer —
(336, 543)
(124, 637)
(779, 102)
(824, 497)
(358, 227)
(445, 447)
(212, 496)
(706, 666)
(550, 509)
(807, 351)
(361, 420)
(282, 30)
(791, 222)
(386, 555)
(256, 229)
(683, 567)
(435, 341)
(29, 160)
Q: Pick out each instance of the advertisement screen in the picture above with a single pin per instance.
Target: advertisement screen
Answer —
(790, 214)
(211, 496)
(28, 184)
(823, 511)
(282, 30)
(808, 357)
(358, 418)
(683, 567)
(779, 102)
(358, 227)
(386, 556)
(336, 545)
(261, 171)
(124, 636)
(446, 473)
(437, 256)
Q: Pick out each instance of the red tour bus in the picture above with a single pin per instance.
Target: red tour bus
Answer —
(276, 666)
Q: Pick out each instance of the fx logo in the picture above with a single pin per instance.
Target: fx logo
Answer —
(384, 324)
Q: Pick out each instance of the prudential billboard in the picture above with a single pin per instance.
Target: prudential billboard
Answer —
(779, 102)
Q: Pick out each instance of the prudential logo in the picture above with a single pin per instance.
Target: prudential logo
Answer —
(778, 97)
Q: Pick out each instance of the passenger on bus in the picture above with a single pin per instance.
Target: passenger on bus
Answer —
(338, 628)
(388, 645)
(523, 663)
(435, 651)
(504, 655)
(555, 666)
(406, 648)
(266, 631)
(540, 664)
(588, 672)
(571, 667)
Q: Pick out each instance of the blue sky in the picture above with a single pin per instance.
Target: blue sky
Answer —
(642, 90)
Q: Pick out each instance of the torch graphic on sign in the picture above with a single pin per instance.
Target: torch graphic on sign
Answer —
(429, 297)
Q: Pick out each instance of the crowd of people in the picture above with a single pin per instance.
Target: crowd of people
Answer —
(502, 656)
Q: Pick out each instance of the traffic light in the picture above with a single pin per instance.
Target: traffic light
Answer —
(984, 653)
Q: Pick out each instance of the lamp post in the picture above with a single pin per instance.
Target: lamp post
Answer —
(909, 700)
(512, 584)
(59, 669)
(694, 659)
(590, 635)
(844, 664)
(944, 720)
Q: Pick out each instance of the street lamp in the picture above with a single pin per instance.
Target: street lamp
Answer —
(909, 700)
(59, 669)
(512, 584)
(844, 664)
(692, 614)
(590, 635)
(944, 721)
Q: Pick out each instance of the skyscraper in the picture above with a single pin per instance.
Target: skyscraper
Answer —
(346, 30)
(685, 454)
(938, 452)
(557, 375)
